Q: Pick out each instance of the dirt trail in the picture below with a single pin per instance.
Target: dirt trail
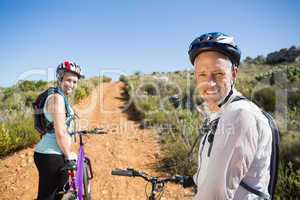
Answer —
(125, 145)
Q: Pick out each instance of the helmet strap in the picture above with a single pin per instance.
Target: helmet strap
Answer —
(222, 102)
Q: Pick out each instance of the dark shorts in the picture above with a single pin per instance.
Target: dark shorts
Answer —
(51, 178)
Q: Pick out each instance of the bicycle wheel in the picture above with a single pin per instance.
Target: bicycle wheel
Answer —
(86, 183)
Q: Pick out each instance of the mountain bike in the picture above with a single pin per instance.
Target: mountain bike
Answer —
(157, 183)
(78, 185)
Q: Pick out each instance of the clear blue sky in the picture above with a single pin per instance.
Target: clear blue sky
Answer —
(133, 35)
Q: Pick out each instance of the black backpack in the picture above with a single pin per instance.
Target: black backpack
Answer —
(274, 157)
(41, 124)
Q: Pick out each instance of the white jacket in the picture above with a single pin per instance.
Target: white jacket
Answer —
(241, 149)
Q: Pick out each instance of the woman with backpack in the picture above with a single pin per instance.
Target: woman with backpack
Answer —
(53, 118)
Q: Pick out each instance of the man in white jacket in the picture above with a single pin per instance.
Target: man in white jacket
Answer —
(237, 145)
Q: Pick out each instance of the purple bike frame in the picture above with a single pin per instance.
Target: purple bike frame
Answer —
(76, 182)
(79, 172)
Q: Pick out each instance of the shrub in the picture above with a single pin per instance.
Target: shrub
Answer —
(137, 73)
(7, 92)
(123, 79)
(176, 159)
(26, 85)
(178, 139)
(41, 85)
(288, 182)
(30, 97)
(283, 55)
(149, 89)
(80, 93)
(289, 148)
(17, 135)
(147, 104)
(294, 99)
(265, 98)
(105, 79)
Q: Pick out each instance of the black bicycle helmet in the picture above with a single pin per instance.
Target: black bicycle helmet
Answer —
(215, 41)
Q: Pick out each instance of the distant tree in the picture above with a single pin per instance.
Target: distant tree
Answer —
(248, 59)
(8, 92)
(26, 85)
(283, 55)
(41, 84)
(137, 73)
(260, 59)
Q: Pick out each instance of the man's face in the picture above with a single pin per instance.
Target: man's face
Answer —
(214, 76)
(68, 83)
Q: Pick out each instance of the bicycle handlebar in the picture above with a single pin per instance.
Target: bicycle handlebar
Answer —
(93, 131)
(121, 172)
(132, 173)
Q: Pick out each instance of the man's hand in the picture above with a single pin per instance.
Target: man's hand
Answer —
(185, 181)
(188, 182)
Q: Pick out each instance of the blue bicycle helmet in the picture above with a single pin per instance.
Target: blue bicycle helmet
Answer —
(215, 41)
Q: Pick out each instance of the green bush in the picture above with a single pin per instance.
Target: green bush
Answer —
(7, 92)
(41, 85)
(26, 85)
(289, 148)
(123, 79)
(17, 135)
(80, 93)
(178, 139)
(288, 182)
(266, 98)
(294, 99)
(176, 160)
(149, 89)
(148, 104)
(30, 97)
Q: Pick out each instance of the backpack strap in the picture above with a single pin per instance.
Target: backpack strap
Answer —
(275, 154)
(274, 157)
(69, 116)
(67, 105)
(254, 191)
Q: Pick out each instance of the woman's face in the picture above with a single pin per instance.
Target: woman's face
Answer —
(214, 76)
(68, 83)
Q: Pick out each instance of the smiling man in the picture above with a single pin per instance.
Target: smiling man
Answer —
(235, 151)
